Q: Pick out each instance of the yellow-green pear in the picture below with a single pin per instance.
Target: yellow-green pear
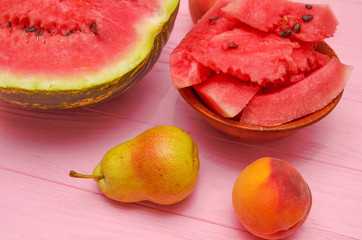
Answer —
(160, 165)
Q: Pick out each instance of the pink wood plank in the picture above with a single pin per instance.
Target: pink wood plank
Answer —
(68, 212)
(206, 203)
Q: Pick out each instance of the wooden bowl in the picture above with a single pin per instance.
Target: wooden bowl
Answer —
(255, 133)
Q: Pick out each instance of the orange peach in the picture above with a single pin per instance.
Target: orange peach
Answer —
(271, 198)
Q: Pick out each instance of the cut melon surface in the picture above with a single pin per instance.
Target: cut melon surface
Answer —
(226, 95)
(252, 55)
(184, 69)
(225, 41)
(279, 15)
(70, 45)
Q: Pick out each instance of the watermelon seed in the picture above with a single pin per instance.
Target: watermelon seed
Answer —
(30, 29)
(286, 33)
(68, 33)
(296, 28)
(38, 34)
(307, 17)
(213, 19)
(233, 45)
(308, 6)
(9, 24)
(285, 20)
(94, 28)
(23, 27)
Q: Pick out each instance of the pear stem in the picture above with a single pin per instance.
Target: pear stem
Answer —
(78, 175)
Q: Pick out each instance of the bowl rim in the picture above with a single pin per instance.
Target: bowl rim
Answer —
(193, 100)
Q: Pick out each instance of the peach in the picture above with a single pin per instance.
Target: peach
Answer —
(271, 199)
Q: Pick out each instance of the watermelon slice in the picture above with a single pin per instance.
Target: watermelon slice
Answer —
(207, 48)
(288, 19)
(67, 53)
(185, 70)
(300, 99)
(242, 50)
(225, 95)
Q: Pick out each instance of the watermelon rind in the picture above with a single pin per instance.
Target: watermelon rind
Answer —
(50, 92)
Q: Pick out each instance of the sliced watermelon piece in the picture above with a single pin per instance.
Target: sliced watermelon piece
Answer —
(242, 50)
(304, 60)
(281, 16)
(299, 99)
(225, 95)
(259, 56)
(231, 52)
(185, 71)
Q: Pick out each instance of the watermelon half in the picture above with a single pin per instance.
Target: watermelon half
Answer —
(63, 54)
(244, 39)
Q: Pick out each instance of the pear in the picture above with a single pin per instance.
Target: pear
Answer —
(160, 165)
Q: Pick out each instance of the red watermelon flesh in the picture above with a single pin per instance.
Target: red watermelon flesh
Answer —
(242, 50)
(225, 95)
(305, 60)
(280, 15)
(204, 51)
(299, 99)
(185, 71)
(95, 25)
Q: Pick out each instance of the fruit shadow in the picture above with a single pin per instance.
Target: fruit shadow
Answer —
(232, 151)
(80, 125)
(165, 213)
(58, 128)
(149, 101)
(152, 208)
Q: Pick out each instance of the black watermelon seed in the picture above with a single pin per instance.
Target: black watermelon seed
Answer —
(307, 17)
(30, 29)
(308, 6)
(233, 45)
(23, 27)
(68, 33)
(286, 33)
(296, 28)
(38, 34)
(94, 28)
(9, 24)
(213, 19)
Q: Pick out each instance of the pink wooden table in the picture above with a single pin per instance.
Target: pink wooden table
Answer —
(38, 148)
